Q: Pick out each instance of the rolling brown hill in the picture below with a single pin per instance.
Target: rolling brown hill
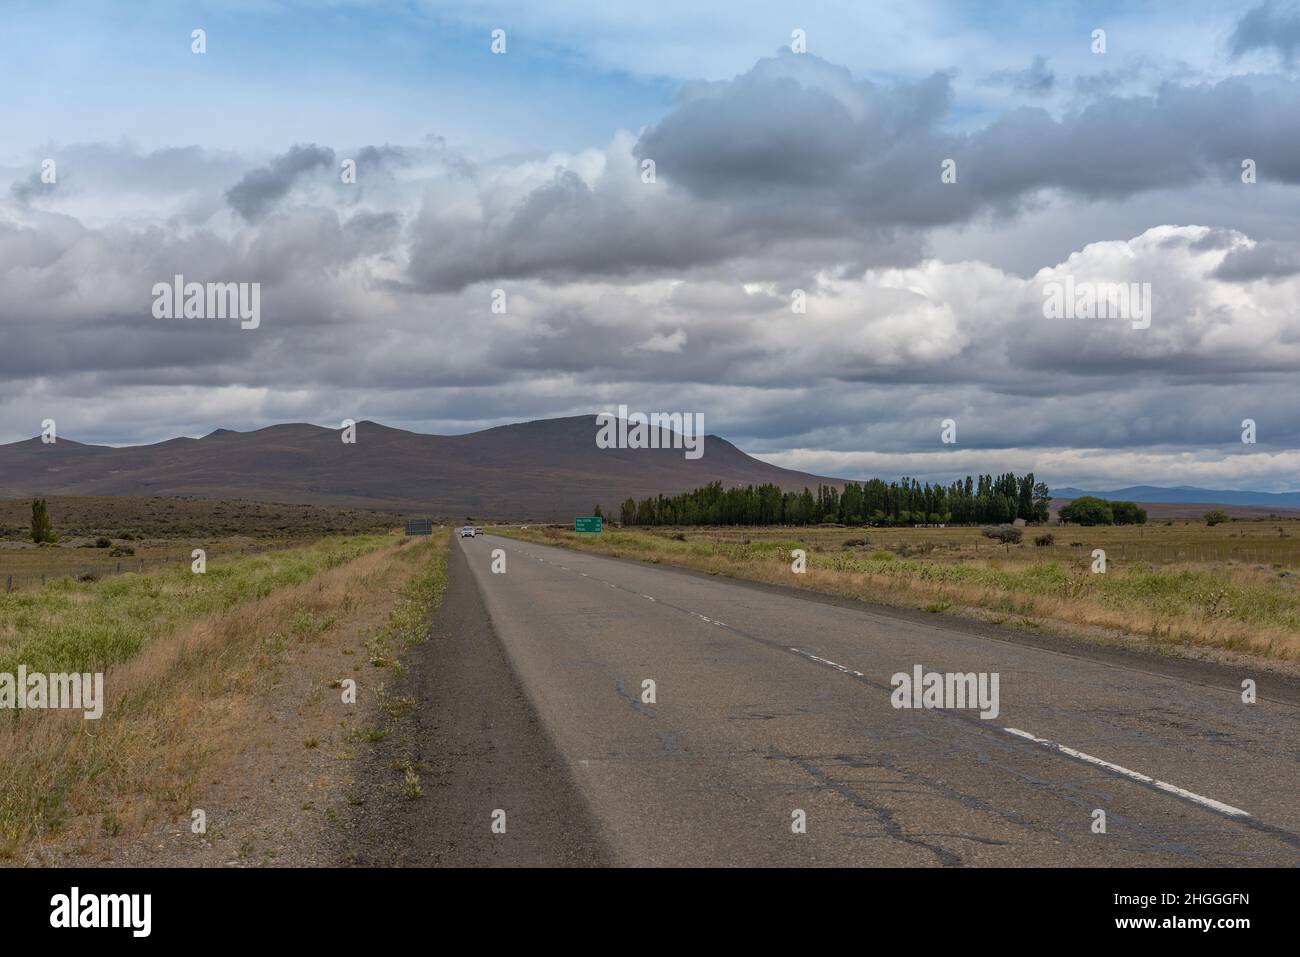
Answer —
(549, 469)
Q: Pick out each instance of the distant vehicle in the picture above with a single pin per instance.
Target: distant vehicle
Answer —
(467, 531)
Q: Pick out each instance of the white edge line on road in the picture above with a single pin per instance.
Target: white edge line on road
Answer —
(827, 661)
(1052, 745)
(1080, 755)
(1162, 785)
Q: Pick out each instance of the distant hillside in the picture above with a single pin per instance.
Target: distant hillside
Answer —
(547, 469)
(1190, 495)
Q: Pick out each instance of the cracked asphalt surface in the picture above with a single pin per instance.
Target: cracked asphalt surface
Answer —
(767, 704)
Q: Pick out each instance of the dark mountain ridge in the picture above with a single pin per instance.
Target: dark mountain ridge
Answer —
(544, 469)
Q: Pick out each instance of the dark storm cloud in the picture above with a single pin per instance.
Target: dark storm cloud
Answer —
(808, 130)
(1037, 79)
(259, 189)
(676, 294)
(566, 230)
(797, 151)
(1268, 26)
(1265, 260)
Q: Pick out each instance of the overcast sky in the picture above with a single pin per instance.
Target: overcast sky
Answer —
(776, 171)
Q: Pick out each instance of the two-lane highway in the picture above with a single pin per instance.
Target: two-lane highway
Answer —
(769, 709)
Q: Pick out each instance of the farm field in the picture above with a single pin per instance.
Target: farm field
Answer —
(1181, 588)
(139, 534)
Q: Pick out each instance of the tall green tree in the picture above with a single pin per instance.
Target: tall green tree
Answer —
(42, 530)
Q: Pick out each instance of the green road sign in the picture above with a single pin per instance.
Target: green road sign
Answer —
(419, 526)
(587, 523)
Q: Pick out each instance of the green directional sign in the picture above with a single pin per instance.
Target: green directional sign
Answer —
(588, 523)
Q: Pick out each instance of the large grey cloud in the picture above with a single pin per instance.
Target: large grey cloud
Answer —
(1037, 79)
(800, 156)
(1269, 26)
(676, 294)
(1260, 261)
(797, 127)
(255, 193)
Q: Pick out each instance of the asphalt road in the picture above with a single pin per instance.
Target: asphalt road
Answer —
(480, 748)
(767, 704)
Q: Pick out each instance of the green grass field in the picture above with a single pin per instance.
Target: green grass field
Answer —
(89, 626)
(188, 661)
(104, 536)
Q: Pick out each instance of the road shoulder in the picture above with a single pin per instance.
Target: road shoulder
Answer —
(477, 747)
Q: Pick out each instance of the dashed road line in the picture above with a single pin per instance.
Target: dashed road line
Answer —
(827, 661)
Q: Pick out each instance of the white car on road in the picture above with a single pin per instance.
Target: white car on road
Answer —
(467, 532)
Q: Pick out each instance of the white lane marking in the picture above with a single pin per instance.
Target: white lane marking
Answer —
(827, 661)
(1136, 776)
(1082, 756)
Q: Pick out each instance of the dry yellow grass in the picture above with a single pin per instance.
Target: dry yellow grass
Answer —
(182, 704)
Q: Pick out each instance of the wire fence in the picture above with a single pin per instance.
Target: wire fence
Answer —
(92, 570)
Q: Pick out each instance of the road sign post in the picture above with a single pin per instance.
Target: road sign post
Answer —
(588, 523)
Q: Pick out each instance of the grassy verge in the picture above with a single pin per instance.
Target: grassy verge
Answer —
(406, 627)
(1252, 609)
(90, 626)
(190, 662)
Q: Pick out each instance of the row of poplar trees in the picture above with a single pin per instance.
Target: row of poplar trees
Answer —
(982, 500)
